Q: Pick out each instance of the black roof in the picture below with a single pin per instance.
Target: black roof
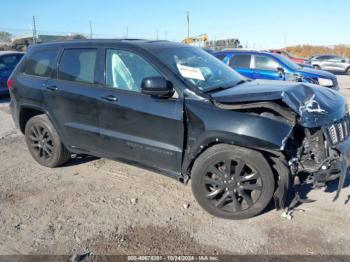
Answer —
(141, 43)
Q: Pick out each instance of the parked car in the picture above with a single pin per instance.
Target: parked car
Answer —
(331, 63)
(285, 53)
(265, 65)
(8, 61)
(180, 111)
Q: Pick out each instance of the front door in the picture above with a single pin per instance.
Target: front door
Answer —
(266, 67)
(242, 64)
(137, 127)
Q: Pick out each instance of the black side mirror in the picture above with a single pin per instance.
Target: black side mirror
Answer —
(157, 86)
(343, 61)
(280, 71)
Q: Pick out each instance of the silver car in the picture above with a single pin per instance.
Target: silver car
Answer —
(331, 63)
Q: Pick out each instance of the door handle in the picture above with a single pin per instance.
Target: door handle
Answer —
(110, 98)
(52, 88)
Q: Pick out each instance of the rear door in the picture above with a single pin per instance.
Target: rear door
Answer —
(266, 67)
(242, 64)
(70, 97)
(327, 62)
(137, 127)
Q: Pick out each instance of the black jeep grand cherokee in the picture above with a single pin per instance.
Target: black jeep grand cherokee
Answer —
(180, 111)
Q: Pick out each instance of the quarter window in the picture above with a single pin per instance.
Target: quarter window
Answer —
(9, 61)
(78, 65)
(40, 63)
(126, 70)
(240, 61)
(266, 63)
(221, 56)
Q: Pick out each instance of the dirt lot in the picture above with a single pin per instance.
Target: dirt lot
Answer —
(111, 208)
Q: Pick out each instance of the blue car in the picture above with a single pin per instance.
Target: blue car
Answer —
(8, 61)
(265, 65)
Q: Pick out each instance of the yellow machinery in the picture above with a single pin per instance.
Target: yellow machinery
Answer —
(195, 39)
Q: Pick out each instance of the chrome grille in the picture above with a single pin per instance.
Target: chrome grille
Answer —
(338, 131)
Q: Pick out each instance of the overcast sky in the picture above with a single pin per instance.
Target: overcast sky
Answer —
(260, 24)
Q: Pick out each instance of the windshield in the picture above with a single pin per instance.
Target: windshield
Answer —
(289, 63)
(199, 68)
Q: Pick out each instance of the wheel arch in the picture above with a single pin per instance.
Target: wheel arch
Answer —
(27, 111)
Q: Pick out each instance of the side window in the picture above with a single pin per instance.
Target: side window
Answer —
(266, 63)
(220, 56)
(9, 61)
(78, 65)
(336, 59)
(240, 61)
(126, 70)
(325, 57)
(40, 63)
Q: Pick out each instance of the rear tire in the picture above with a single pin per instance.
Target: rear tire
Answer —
(348, 71)
(232, 182)
(44, 143)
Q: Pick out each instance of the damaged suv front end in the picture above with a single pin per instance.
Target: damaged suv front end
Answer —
(318, 145)
(250, 141)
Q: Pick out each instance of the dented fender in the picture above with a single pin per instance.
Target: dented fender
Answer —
(205, 128)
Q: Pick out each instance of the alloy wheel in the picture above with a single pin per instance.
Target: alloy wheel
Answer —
(232, 185)
(41, 142)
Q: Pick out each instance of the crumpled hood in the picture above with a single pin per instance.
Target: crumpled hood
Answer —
(316, 105)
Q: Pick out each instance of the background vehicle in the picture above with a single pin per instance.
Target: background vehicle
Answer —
(179, 110)
(265, 65)
(8, 61)
(331, 63)
(288, 55)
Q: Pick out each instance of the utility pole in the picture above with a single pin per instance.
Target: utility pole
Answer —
(157, 35)
(34, 31)
(165, 35)
(90, 24)
(188, 24)
(127, 32)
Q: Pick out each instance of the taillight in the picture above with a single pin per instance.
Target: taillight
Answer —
(9, 84)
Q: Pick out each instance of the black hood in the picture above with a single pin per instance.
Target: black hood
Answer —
(315, 105)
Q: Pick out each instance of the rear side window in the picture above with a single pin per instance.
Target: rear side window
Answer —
(9, 61)
(266, 63)
(78, 65)
(220, 56)
(40, 63)
(240, 61)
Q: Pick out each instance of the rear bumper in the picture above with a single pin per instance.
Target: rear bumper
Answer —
(14, 112)
(344, 163)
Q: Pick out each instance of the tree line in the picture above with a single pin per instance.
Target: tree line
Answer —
(310, 50)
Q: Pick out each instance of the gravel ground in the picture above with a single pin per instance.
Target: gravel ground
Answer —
(111, 208)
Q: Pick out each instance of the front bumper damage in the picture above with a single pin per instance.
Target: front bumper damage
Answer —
(344, 164)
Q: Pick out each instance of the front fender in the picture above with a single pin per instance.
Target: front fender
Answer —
(208, 125)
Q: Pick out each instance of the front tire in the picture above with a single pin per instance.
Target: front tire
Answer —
(232, 182)
(44, 143)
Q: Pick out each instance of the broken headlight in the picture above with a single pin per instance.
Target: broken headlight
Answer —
(325, 82)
